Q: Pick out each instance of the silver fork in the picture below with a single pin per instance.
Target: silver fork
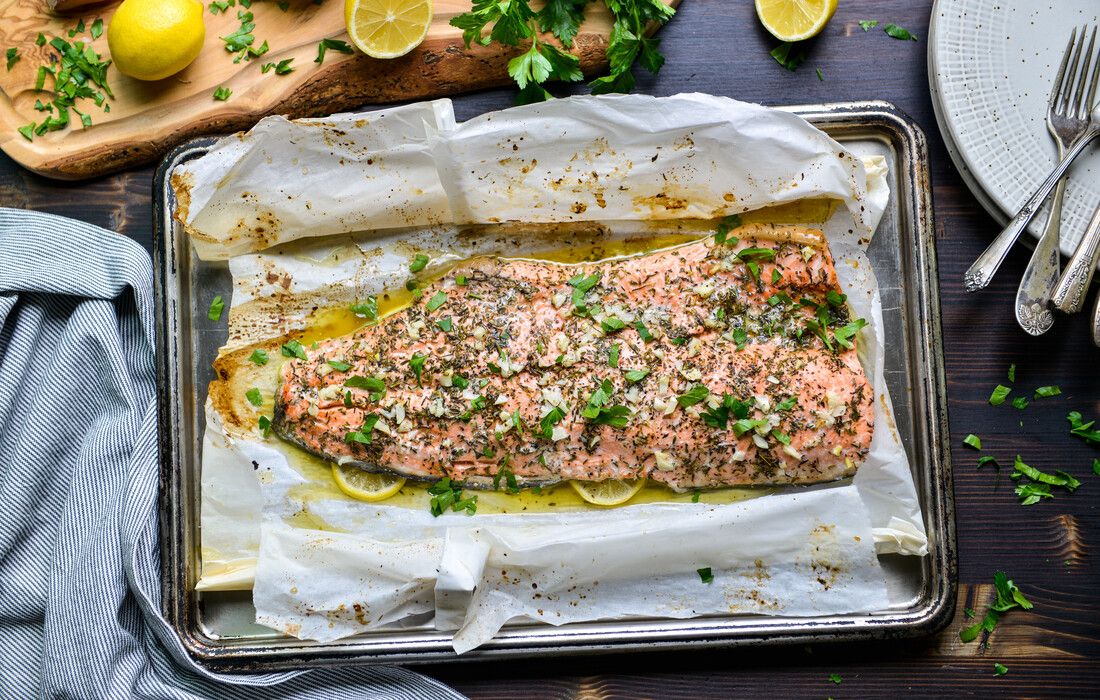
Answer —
(1070, 292)
(1096, 323)
(1074, 107)
(1041, 275)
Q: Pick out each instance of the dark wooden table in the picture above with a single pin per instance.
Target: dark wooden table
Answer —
(717, 46)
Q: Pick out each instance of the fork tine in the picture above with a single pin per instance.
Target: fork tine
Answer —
(1079, 108)
(1067, 89)
(1091, 100)
(1056, 91)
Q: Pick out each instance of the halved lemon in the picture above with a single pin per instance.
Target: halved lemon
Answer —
(364, 485)
(795, 20)
(611, 492)
(387, 28)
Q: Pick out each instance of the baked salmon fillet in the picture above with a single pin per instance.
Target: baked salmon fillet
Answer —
(724, 362)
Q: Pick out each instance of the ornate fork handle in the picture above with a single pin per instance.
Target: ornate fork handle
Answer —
(1096, 323)
(1069, 294)
(981, 272)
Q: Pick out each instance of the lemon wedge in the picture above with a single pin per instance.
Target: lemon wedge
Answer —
(364, 485)
(611, 492)
(387, 28)
(795, 20)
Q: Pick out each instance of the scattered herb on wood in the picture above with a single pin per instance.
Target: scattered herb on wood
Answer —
(901, 33)
(327, 44)
(216, 308)
(222, 93)
(973, 441)
(1008, 597)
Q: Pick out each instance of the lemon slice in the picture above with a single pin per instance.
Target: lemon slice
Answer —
(611, 492)
(795, 20)
(364, 485)
(387, 28)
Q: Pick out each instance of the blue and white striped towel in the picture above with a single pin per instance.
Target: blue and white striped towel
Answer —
(79, 560)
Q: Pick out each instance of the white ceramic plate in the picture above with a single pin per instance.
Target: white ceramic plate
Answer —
(991, 65)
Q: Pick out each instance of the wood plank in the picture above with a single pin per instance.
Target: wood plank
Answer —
(149, 118)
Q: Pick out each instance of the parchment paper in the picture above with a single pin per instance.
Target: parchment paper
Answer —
(618, 162)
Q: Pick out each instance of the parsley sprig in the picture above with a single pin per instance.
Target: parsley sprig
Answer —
(446, 494)
(1008, 597)
(514, 23)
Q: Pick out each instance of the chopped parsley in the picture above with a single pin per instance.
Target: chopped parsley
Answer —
(776, 276)
(1047, 391)
(705, 575)
(612, 324)
(339, 365)
(419, 262)
(327, 44)
(597, 410)
(999, 669)
(1008, 597)
(445, 324)
(363, 435)
(373, 384)
(722, 230)
(1000, 393)
(835, 678)
(730, 408)
(692, 396)
(294, 349)
(756, 254)
(1012, 373)
(973, 441)
(367, 309)
(787, 404)
(1032, 493)
(844, 334)
(636, 375)
(1020, 402)
(216, 308)
(222, 93)
(552, 418)
(264, 423)
(820, 75)
(740, 337)
(695, 496)
(447, 495)
(253, 396)
(868, 24)
(1078, 427)
(505, 474)
(438, 299)
(12, 56)
(241, 40)
(258, 357)
(988, 459)
(1096, 466)
(281, 68)
(581, 286)
(416, 362)
(969, 612)
(613, 355)
(901, 33)
(643, 332)
(789, 55)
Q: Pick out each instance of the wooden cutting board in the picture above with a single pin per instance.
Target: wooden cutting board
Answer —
(147, 119)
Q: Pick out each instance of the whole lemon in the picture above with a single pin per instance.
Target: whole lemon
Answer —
(153, 39)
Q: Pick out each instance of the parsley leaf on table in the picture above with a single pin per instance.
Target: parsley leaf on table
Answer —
(868, 24)
(973, 440)
(897, 32)
(789, 55)
(1009, 596)
(1000, 393)
(1078, 427)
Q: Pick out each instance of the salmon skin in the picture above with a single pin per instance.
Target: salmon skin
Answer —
(707, 365)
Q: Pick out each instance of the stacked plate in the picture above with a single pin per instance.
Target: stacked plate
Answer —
(991, 66)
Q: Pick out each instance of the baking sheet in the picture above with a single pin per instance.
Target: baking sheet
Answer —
(222, 620)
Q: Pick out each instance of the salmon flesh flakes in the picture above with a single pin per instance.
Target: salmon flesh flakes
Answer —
(735, 364)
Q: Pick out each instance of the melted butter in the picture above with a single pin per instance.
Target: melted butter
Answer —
(326, 324)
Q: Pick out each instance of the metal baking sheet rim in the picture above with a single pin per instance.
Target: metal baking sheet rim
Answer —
(931, 613)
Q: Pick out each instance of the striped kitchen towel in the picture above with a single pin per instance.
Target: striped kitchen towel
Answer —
(79, 560)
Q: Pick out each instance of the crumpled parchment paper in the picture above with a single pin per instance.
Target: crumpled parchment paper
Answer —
(618, 163)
